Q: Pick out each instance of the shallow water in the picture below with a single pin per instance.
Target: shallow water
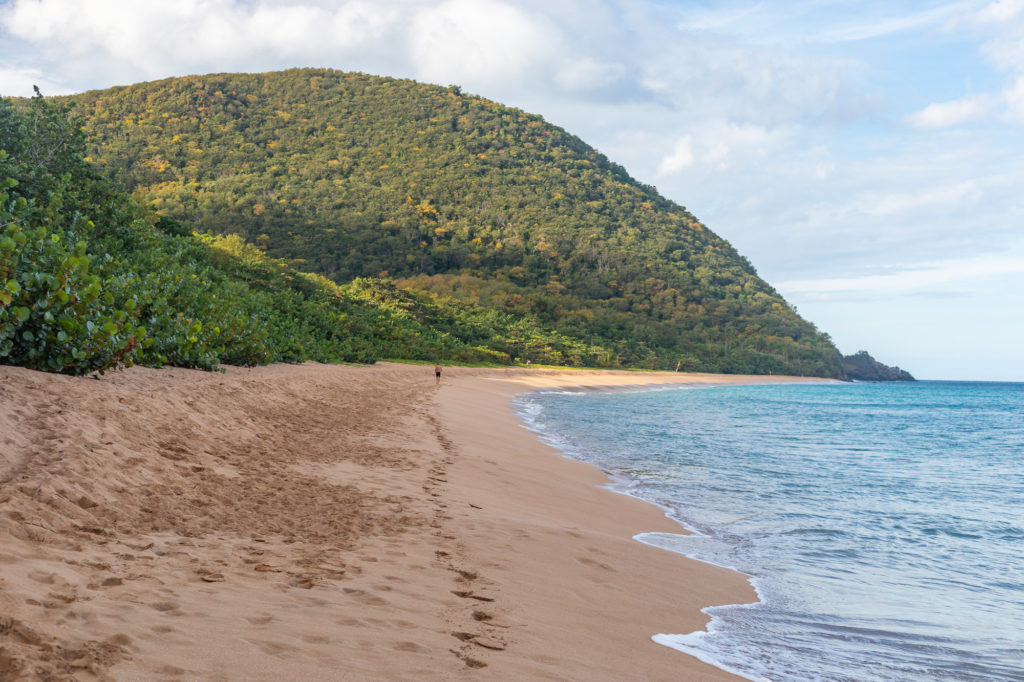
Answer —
(882, 524)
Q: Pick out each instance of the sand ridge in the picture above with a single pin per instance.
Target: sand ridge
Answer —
(319, 522)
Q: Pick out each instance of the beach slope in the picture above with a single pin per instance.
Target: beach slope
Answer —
(325, 523)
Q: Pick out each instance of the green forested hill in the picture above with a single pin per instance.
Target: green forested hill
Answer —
(351, 175)
(91, 280)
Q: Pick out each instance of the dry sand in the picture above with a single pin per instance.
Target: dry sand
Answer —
(325, 523)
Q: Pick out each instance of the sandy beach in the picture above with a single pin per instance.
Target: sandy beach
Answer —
(323, 522)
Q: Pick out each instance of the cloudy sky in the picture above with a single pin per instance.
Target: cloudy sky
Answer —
(867, 157)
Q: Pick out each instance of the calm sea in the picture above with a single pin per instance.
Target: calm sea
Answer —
(882, 524)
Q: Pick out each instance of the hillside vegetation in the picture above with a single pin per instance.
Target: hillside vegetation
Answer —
(90, 279)
(350, 176)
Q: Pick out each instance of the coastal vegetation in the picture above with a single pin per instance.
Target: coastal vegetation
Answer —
(350, 175)
(316, 214)
(91, 279)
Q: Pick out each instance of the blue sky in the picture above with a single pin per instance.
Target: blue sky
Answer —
(867, 157)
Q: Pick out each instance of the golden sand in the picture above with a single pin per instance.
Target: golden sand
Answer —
(323, 522)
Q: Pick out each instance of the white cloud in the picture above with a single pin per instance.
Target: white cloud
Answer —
(812, 22)
(18, 82)
(476, 41)
(937, 198)
(525, 50)
(947, 114)
(587, 74)
(720, 146)
(719, 19)
(962, 274)
(896, 22)
(1002, 24)
(162, 38)
(1014, 98)
(680, 158)
(1001, 11)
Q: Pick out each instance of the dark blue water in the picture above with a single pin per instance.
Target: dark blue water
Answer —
(882, 524)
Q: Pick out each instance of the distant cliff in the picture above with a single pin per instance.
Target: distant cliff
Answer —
(862, 367)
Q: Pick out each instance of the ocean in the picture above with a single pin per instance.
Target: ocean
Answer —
(882, 524)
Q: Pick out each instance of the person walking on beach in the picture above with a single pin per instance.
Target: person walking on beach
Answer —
(437, 373)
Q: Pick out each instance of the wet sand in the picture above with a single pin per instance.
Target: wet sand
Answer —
(326, 523)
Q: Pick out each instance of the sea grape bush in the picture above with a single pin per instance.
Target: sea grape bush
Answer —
(54, 313)
(81, 296)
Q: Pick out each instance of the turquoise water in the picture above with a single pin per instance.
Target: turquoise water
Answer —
(882, 524)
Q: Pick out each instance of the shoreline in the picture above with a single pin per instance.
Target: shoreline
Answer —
(596, 526)
(328, 522)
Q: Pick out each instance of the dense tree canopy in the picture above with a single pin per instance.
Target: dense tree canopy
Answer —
(90, 279)
(350, 175)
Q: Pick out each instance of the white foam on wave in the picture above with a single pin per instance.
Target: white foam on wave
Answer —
(676, 543)
(691, 645)
(530, 412)
(695, 644)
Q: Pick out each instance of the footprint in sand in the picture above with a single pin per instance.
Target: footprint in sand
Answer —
(167, 607)
(403, 624)
(365, 597)
(596, 564)
(490, 619)
(43, 577)
(484, 641)
(171, 670)
(273, 648)
(465, 594)
(468, 660)
(411, 647)
(489, 643)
